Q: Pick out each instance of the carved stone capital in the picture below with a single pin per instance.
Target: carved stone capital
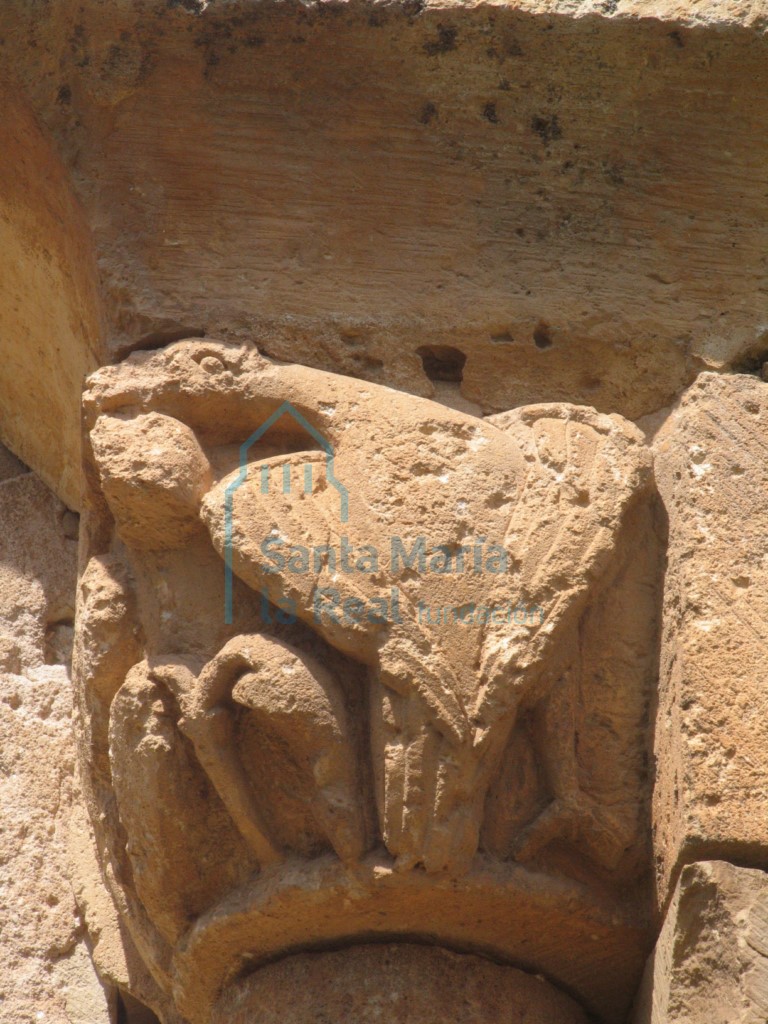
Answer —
(358, 666)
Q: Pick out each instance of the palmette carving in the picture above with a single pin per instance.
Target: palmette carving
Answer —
(410, 592)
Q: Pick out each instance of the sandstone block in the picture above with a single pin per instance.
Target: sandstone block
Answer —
(46, 971)
(401, 984)
(711, 733)
(711, 960)
(50, 308)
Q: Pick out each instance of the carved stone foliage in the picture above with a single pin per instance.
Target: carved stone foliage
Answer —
(351, 664)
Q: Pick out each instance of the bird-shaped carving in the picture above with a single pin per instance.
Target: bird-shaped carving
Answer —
(451, 555)
(522, 511)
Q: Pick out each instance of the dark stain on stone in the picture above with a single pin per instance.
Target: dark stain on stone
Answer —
(413, 8)
(445, 42)
(547, 128)
(191, 6)
(614, 174)
(490, 113)
(442, 362)
(541, 336)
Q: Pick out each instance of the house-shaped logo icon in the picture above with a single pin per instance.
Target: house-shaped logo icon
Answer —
(286, 409)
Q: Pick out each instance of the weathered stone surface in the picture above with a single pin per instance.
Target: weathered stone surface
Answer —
(38, 564)
(567, 195)
(483, 204)
(403, 984)
(711, 960)
(407, 690)
(46, 972)
(711, 736)
(50, 321)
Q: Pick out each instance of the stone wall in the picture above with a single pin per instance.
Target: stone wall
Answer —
(382, 518)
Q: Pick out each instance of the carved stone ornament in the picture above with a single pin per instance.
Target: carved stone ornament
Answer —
(353, 666)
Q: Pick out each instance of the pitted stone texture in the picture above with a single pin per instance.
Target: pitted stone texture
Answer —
(250, 754)
(46, 972)
(711, 732)
(570, 195)
(38, 562)
(710, 965)
(50, 322)
(414, 235)
(399, 984)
